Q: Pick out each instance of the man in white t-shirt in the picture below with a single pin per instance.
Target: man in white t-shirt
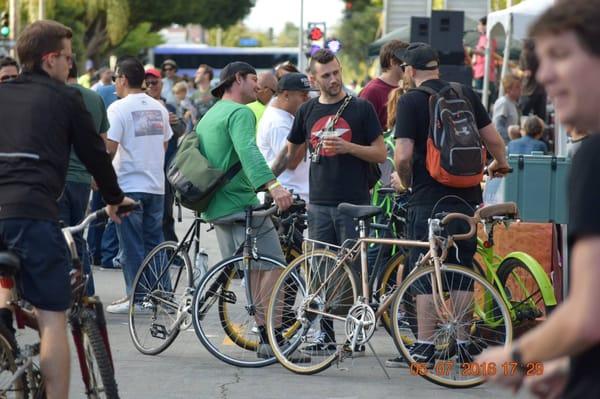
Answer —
(137, 139)
(275, 126)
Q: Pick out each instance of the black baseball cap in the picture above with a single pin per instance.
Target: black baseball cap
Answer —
(418, 55)
(228, 75)
(294, 81)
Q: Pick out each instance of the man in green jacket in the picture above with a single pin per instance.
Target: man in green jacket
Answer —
(227, 135)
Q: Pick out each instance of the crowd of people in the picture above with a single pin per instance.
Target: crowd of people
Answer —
(289, 132)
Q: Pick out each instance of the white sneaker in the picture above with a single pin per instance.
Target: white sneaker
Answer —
(118, 308)
(120, 300)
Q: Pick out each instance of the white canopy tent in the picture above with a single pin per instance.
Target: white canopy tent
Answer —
(516, 21)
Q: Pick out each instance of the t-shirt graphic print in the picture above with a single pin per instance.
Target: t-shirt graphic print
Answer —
(336, 178)
(148, 123)
(322, 129)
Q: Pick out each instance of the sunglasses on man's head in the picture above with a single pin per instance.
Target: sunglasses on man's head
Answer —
(8, 77)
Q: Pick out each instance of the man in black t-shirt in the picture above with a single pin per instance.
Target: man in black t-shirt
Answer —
(568, 342)
(428, 195)
(344, 148)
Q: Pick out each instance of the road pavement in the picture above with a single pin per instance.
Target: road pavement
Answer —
(187, 370)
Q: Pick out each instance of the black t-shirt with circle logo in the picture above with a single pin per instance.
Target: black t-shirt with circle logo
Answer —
(337, 178)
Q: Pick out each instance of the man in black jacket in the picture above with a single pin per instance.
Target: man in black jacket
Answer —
(41, 119)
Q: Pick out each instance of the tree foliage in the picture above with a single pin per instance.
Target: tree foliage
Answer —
(355, 34)
(288, 36)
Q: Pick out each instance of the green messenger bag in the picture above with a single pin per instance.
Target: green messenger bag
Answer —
(194, 179)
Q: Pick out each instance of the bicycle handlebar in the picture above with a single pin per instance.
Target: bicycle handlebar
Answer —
(470, 220)
(100, 215)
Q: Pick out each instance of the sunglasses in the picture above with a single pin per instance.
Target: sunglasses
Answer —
(403, 67)
(152, 82)
(8, 77)
(114, 78)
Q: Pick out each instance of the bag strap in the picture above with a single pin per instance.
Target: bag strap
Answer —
(425, 89)
(333, 121)
(232, 171)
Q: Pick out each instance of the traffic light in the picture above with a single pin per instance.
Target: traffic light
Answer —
(4, 25)
(316, 35)
(348, 10)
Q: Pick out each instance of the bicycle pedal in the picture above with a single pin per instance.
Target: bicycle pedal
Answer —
(158, 331)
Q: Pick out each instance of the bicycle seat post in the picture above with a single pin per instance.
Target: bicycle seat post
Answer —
(247, 253)
(364, 264)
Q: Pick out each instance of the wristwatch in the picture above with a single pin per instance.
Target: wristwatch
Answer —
(517, 357)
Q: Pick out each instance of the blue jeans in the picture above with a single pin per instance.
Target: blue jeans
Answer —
(139, 233)
(71, 211)
(102, 242)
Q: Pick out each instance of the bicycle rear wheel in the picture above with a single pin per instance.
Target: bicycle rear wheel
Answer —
(524, 295)
(11, 386)
(474, 317)
(224, 319)
(321, 302)
(162, 297)
(101, 382)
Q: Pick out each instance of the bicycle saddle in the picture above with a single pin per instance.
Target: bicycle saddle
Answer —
(359, 211)
(507, 209)
(9, 263)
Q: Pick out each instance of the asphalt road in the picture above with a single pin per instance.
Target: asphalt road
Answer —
(187, 370)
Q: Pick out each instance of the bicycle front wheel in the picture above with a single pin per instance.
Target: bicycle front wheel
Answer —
(308, 309)
(226, 321)
(100, 382)
(450, 330)
(162, 296)
(12, 386)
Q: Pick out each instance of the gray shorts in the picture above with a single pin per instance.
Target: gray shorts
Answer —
(231, 237)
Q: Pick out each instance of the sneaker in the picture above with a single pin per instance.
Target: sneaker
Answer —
(322, 346)
(397, 362)
(118, 308)
(424, 353)
(265, 351)
(120, 300)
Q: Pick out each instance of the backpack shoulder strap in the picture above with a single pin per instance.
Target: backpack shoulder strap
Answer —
(233, 170)
(425, 89)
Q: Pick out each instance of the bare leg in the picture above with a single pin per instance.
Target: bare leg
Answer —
(426, 318)
(54, 353)
(462, 304)
(262, 283)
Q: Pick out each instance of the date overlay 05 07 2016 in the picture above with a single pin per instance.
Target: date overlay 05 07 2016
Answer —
(445, 368)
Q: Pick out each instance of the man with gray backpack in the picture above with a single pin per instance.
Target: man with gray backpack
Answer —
(442, 133)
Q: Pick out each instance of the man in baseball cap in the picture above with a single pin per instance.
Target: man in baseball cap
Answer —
(420, 56)
(230, 74)
(276, 123)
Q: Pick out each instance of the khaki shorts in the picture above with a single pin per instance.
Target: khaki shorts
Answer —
(231, 238)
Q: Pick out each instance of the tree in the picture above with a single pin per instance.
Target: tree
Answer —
(355, 34)
(288, 36)
(231, 36)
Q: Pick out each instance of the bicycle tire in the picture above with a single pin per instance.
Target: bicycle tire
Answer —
(8, 347)
(524, 312)
(501, 328)
(346, 283)
(218, 290)
(97, 358)
(156, 311)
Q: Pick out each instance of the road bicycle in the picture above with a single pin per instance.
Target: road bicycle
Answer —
(20, 375)
(521, 281)
(219, 304)
(468, 312)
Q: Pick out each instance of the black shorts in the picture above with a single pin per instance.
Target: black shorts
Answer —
(44, 276)
(418, 229)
